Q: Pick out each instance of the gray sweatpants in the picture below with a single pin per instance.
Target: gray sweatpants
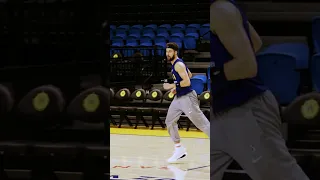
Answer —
(250, 135)
(189, 105)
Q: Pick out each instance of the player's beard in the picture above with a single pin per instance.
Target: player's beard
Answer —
(171, 58)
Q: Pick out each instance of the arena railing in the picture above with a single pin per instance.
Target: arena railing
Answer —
(137, 65)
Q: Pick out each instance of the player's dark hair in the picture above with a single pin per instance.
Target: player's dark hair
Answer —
(173, 46)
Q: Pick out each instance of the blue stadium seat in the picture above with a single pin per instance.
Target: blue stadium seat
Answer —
(121, 33)
(160, 42)
(198, 83)
(316, 33)
(145, 41)
(113, 28)
(204, 31)
(148, 32)
(161, 30)
(152, 26)
(177, 38)
(111, 35)
(278, 72)
(299, 51)
(190, 42)
(165, 35)
(191, 30)
(167, 26)
(130, 42)
(197, 26)
(124, 26)
(180, 35)
(315, 71)
(181, 26)
(195, 35)
(137, 26)
(117, 41)
(135, 32)
(175, 30)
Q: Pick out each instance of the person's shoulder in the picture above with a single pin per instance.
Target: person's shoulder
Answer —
(223, 8)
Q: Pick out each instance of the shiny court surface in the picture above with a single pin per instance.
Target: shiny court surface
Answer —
(144, 157)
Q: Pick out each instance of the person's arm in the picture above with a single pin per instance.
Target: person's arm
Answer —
(189, 73)
(226, 22)
(181, 70)
(255, 38)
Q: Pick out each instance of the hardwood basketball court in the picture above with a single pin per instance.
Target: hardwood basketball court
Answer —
(142, 154)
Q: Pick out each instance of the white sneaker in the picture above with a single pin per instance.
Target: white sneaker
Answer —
(178, 154)
(178, 173)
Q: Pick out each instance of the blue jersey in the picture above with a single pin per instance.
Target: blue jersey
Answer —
(229, 94)
(177, 79)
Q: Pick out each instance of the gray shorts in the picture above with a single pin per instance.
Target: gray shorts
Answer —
(251, 135)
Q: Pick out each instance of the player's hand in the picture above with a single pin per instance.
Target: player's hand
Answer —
(173, 91)
(167, 86)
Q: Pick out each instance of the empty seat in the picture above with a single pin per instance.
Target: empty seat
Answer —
(124, 26)
(147, 42)
(315, 71)
(44, 102)
(197, 26)
(167, 26)
(182, 26)
(198, 83)
(177, 39)
(316, 33)
(190, 41)
(130, 42)
(191, 30)
(278, 72)
(90, 105)
(121, 33)
(152, 26)
(134, 33)
(117, 41)
(160, 42)
(204, 31)
(162, 30)
(148, 32)
(299, 51)
(137, 26)
(164, 35)
(113, 27)
(174, 30)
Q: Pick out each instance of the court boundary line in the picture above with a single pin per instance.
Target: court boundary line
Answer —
(200, 167)
(157, 133)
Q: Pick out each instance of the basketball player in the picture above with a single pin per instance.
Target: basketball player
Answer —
(245, 119)
(185, 101)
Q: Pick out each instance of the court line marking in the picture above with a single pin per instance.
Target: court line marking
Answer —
(156, 132)
(200, 167)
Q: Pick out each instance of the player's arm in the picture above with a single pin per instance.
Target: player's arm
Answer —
(226, 22)
(189, 73)
(181, 70)
(255, 38)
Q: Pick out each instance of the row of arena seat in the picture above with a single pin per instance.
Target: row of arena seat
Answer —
(47, 102)
(141, 103)
(186, 36)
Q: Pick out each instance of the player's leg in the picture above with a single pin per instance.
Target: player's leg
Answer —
(253, 138)
(219, 160)
(173, 115)
(190, 106)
